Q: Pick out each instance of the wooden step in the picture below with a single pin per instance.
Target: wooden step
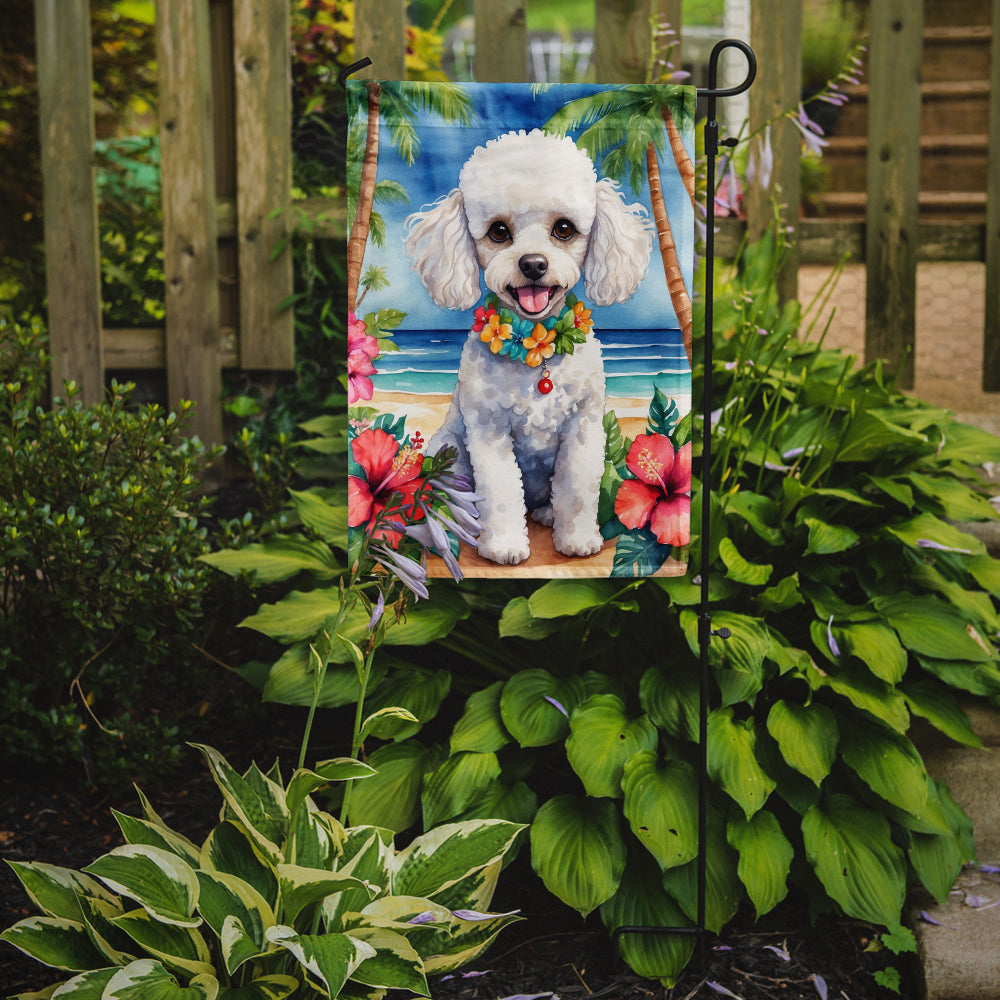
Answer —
(956, 53)
(945, 105)
(958, 206)
(945, 12)
(947, 163)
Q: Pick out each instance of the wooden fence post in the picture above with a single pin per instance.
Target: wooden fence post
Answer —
(893, 183)
(621, 41)
(261, 57)
(72, 255)
(501, 39)
(776, 35)
(380, 34)
(190, 251)
(991, 331)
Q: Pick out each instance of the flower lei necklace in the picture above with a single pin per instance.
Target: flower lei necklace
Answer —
(519, 339)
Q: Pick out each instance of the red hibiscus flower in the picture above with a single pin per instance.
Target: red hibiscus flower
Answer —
(482, 316)
(659, 496)
(388, 470)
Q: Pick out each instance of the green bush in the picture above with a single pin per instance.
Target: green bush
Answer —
(855, 604)
(101, 584)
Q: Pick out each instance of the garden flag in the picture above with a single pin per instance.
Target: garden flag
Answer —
(519, 295)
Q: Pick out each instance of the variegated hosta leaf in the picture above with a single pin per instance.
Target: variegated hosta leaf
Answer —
(578, 851)
(850, 847)
(86, 986)
(230, 849)
(481, 728)
(149, 980)
(54, 941)
(367, 853)
(441, 857)
(475, 891)
(177, 947)
(395, 964)
(315, 838)
(807, 736)
(602, 737)
(642, 902)
(329, 959)
(661, 800)
(304, 782)
(732, 760)
(256, 801)
(56, 891)
(116, 946)
(467, 941)
(158, 880)
(275, 987)
(224, 898)
(765, 858)
(300, 887)
(141, 831)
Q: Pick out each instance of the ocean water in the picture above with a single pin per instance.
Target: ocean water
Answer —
(635, 362)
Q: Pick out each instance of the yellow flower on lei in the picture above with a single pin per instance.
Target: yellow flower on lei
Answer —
(539, 345)
(495, 333)
(581, 317)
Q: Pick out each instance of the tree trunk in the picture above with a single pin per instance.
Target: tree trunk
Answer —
(366, 195)
(684, 165)
(679, 297)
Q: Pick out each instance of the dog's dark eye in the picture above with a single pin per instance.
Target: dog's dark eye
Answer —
(499, 232)
(564, 230)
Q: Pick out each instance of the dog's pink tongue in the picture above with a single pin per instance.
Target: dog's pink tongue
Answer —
(533, 298)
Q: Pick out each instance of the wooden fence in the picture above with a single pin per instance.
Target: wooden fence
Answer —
(226, 162)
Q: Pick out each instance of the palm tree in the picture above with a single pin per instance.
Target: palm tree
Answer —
(623, 130)
(398, 102)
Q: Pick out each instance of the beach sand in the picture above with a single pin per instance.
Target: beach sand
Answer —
(426, 414)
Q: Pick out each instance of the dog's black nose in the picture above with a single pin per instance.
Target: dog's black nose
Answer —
(533, 265)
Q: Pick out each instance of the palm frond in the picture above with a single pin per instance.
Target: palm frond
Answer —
(585, 111)
(390, 192)
(449, 101)
(607, 132)
(376, 229)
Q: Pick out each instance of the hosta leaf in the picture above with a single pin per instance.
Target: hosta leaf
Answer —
(141, 831)
(976, 678)
(928, 528)
(391, 798)
(441, 857)
(516, 803)
(456, 784)
(147, 979)
(661, 799)
(785, 594)
(827, 539)
(671, 700)
(301, 887)
(54, 941)
(732, 760)
(723, 889)
(180, 948)
(330, 959)
(956, 500)
(98, 916)
(807, 736)
(481, 728)
(389, 723)
(159, 881)
(395, 964)
(765, 858)
(262, 812)
(965, 443)
(230, 849)
(937, 860)
(559, 598)
(986, 571)
(871, 435)
(641, 901)
(275, 987)
(760, 512)
(936, 704)
(417, 690)
(366, 855)
(530, 706)
(225, 897)
(466, 941)
(876, 646)
(864, 691)
(739, 569)
(888, 763)
(932, 628)
(738, 661)
(517, 620)
(850, 848)
(279, 558)
(56, 891)
(327, 520)
(601, 739)
(87, 986)
(304, 782)
(578, 851)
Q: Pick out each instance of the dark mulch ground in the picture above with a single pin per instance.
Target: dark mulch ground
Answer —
(550, 952)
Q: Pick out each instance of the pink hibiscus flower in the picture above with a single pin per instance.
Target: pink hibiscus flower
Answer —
(361, 348)
(659, 496)
(388, 470)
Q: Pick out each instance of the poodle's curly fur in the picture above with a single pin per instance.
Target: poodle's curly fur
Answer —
(531, 216)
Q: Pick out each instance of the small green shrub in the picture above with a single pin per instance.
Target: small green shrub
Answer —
(280, 899)
(99, 546)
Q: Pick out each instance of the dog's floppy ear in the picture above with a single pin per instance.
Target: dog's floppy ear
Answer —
(443, 253)
(618, 252)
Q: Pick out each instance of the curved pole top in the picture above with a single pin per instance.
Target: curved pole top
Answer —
(712, 90)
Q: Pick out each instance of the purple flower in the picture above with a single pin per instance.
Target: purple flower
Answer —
(719, 988)
(377, 612)
(475, 915)
(820, 983)
(760, 166)
(427, 917)
(558, 705)
(430, 534)
(411, 574)
(927, 543)
(811, 132)
(834, 648)
(780, 952)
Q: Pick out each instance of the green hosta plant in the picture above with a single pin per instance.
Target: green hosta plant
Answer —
(279, 900)
(856, 603)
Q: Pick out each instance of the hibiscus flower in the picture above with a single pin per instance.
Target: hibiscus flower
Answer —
(361, 348)
(659, 496)
(495, 332)
(388, 470)
(539, 345)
